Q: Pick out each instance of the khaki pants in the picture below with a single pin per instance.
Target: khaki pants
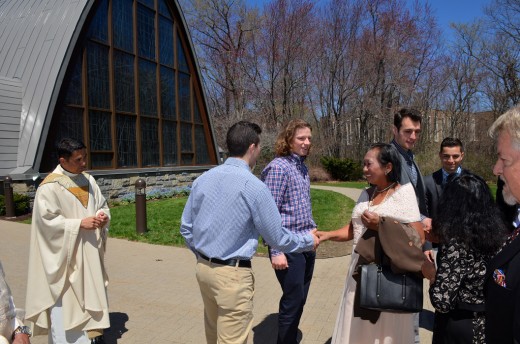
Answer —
(227, 293)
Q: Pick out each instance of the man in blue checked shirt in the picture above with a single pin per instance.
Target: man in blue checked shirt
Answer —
(227, 210)
(288, 179)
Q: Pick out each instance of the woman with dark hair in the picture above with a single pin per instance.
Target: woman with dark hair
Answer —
(385, 197)
(470, 229)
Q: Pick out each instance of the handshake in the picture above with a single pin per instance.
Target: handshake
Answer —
(319, 236)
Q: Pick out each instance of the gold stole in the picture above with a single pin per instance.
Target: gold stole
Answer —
(77, 185)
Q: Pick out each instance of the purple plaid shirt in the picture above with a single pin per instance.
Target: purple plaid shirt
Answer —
(288, 179)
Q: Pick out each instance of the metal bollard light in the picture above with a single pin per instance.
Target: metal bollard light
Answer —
(140, 206)
(9, 197)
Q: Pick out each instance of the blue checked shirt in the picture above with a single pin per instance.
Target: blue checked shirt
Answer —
(228, 209)
(445, 175)
(288, 179)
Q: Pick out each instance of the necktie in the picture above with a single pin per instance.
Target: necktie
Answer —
(413, 173)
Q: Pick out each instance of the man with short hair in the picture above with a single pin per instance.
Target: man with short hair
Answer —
(67, 280)
(406, 130)
(451, 155)
(502, 279)
(227, 210)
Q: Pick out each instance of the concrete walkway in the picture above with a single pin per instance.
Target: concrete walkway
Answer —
(154, 297)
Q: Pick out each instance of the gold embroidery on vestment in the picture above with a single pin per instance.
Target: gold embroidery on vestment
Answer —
(78, 185)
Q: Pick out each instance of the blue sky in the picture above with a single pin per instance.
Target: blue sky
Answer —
(457, 11)
(446, 11)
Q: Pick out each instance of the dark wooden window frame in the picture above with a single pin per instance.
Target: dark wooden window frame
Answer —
(194, 91)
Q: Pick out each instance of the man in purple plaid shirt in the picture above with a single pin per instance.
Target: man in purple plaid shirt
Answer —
(288, 179)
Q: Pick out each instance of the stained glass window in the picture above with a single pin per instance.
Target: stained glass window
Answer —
(150, 141)
(124, 82)
(166, 42)
(73, 93)
(100, 130)
(146, 32)
(133, 82)
(122, 23)
(186, 138)
(202, 156)
(98, 30)
(169, 135)
(168, 93)
(147, 88)
(97, 76)
(184, 97)
(126, 141)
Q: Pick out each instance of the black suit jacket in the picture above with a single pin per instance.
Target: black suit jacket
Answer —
(406, 178)
(433, 192)
(503, 303)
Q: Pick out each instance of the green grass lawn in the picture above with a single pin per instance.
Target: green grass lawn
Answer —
(330, 210)
(163, 222)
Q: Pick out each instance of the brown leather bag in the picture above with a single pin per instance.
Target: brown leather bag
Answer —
(400, 242)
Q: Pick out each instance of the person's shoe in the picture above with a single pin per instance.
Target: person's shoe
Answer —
(97, 340)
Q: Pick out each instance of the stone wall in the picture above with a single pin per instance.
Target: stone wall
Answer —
(116, 187)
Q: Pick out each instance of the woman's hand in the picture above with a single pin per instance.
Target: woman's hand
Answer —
(428, 270)
(370, 219)
(323, 236)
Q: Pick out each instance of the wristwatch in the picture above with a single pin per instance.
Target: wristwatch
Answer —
(23, 330)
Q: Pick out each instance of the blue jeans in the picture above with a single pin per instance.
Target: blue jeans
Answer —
(295, 282)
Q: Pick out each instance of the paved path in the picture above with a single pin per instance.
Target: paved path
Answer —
(154, 297)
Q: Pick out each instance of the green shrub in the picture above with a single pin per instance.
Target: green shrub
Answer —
(21, 204)
(342, 169)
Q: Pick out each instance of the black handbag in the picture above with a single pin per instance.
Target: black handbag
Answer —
(381, 289)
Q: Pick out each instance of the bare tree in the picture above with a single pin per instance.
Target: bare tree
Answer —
(333, 77)
(284, 49)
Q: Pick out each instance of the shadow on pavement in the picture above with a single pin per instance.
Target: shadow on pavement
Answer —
(117, 327)
(266, 331)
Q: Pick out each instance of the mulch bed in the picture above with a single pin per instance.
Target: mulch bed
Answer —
(327, 249)
(331, 249)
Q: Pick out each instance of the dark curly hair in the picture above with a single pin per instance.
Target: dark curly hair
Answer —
(467, 213)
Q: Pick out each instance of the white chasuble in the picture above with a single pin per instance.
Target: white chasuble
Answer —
(65, 260)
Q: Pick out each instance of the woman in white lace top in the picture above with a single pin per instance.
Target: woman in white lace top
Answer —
(386, 197)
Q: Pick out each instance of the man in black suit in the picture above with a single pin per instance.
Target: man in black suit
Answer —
(407, 129)
(451, 155)
(502, 280)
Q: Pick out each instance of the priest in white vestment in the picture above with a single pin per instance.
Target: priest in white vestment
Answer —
(66, 286)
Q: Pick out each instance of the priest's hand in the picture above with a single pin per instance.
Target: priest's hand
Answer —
(21, 338)
(103, 217)
(91, 223)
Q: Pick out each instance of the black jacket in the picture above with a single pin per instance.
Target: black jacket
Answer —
(503, 303)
